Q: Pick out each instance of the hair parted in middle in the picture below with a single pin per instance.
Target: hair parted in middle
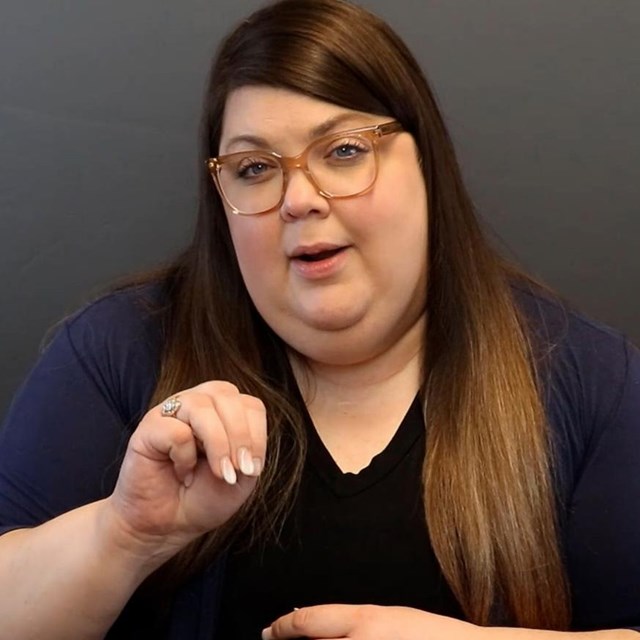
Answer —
(489, 500)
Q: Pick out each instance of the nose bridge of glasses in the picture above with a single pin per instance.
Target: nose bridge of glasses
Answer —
(294, 162)
(289, 163)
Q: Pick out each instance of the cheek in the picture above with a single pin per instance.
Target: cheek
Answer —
(257, 248)
(402, 220)
(404, 240)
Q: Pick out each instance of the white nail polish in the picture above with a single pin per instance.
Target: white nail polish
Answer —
(257, 466)
(245, 461)
(228, 472)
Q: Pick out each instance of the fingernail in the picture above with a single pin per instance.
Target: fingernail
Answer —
(228, 472)
(188, 479)
(245, 461)
(257, 466)
(266, 634)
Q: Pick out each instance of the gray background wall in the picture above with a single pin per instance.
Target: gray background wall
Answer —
(99, 104)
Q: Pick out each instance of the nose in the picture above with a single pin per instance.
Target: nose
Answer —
(302, 197)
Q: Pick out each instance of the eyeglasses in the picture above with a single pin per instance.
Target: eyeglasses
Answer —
(339, 165)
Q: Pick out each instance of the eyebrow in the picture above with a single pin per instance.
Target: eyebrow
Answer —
(330, 124)
(316, 132)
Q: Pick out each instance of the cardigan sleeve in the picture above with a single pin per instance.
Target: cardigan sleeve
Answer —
(65, 432)
(590, 376)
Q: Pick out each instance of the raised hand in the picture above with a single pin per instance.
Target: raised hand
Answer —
(188, 473)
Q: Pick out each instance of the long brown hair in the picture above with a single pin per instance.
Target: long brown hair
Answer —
(488, 488)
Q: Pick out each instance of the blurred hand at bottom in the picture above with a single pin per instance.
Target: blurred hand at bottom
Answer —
(368, 622)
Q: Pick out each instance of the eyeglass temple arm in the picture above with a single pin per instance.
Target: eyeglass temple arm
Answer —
(389, 127)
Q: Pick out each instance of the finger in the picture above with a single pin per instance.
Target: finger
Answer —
(229, 405)
(322, 621)
(209, 428)
(184, 454)
(256, 416)
(171, 438)
(224, 421)
(198, 412)
(227, 401)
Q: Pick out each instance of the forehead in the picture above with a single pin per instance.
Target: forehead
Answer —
(281, 117)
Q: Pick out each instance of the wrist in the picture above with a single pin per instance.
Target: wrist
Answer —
(139, 553)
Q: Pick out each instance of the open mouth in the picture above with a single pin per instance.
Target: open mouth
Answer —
(320, 255)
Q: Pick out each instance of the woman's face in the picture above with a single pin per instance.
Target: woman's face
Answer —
(369, 292)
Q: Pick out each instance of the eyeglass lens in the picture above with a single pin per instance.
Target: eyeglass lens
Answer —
(340, 166)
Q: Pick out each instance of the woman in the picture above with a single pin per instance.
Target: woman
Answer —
(339, 296)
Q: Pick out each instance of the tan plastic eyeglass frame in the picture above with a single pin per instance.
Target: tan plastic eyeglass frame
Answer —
(372, 133)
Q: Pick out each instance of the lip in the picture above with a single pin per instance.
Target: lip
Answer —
(318, 269)
(311, 249)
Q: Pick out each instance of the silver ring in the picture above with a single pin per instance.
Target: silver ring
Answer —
(170, 407)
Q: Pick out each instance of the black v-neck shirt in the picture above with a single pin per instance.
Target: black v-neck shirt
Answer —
(352, 538)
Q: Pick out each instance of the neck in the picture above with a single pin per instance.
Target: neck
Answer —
(357, 408)
(391, 376)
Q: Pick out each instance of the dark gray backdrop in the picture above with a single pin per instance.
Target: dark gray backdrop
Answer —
(99, 104)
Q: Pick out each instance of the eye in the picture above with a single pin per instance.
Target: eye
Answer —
(341, 150)
(254, 168)
(346, 151)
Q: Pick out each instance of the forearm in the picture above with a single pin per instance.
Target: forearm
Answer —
(66, 578)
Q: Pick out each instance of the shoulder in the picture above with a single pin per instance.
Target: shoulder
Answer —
(73, 414)
(553, 319)
(589, 375)
(117, 340)
(571, 342)
(129, 314)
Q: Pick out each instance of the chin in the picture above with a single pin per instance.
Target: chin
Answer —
(331, 332)
(332, 322)
(333, 343)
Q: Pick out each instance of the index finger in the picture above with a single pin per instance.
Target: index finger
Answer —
(321, 621)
